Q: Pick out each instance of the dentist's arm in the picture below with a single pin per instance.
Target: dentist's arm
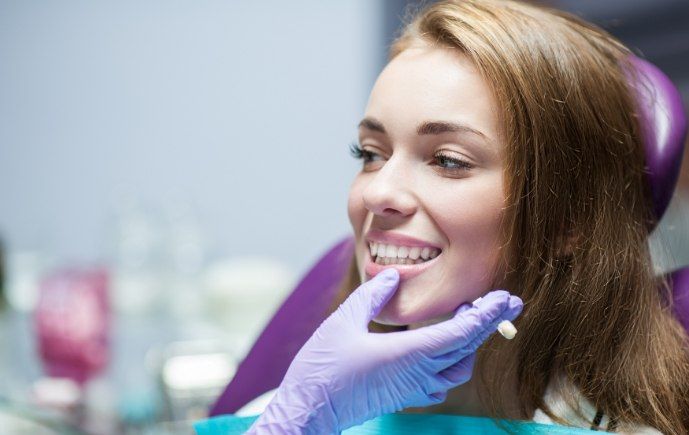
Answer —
(345, 375)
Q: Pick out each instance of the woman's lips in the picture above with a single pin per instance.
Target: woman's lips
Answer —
(406, 270)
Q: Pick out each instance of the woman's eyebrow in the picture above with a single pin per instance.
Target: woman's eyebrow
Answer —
(439, 127)
(428, 127)
(372, 124)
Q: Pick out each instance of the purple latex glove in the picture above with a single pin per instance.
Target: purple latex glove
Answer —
(345, 375)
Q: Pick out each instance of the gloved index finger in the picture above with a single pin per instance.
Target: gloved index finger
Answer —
(368, 300)
(468, 324)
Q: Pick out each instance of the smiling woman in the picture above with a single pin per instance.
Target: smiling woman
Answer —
(432, 179)
(501, 148)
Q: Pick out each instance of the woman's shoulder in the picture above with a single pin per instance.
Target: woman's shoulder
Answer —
(564, 401)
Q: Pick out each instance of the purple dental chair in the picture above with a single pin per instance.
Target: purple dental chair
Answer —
(665, 129)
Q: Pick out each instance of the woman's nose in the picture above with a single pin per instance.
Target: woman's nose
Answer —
(389, 191)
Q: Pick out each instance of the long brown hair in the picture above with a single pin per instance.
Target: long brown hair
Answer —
(577, 217)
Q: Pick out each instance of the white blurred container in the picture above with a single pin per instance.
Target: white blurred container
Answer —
(244, 293)
(25, 269)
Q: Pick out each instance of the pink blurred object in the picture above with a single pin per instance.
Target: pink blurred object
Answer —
(72, 322)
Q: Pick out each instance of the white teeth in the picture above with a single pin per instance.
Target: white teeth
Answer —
(414, 252)
(391, 254)
(391, 251)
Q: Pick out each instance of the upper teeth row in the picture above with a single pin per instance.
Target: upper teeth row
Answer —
(392, 251)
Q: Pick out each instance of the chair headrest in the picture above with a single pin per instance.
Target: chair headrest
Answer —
(664, 125)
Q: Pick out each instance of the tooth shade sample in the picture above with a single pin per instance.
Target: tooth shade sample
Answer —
(507, 329)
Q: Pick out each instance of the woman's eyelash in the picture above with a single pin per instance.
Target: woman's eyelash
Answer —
(359, 153)
(458, 163)
(355, 150)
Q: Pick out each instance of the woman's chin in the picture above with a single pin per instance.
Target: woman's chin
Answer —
(396, 314)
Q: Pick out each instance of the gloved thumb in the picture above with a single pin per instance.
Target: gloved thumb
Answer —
(369, 299)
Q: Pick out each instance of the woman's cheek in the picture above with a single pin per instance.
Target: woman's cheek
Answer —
(355, 206)
(472, 227)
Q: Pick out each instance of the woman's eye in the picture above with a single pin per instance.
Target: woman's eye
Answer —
(452, 164)
(446, 162)
(359, 153)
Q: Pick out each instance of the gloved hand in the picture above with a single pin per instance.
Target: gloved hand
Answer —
(345, 375)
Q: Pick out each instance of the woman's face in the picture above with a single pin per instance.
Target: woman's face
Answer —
(431, 186)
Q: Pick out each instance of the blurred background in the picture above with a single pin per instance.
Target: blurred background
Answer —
(169, 170)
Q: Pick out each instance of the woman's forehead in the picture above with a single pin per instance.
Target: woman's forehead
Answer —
(428, 84)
